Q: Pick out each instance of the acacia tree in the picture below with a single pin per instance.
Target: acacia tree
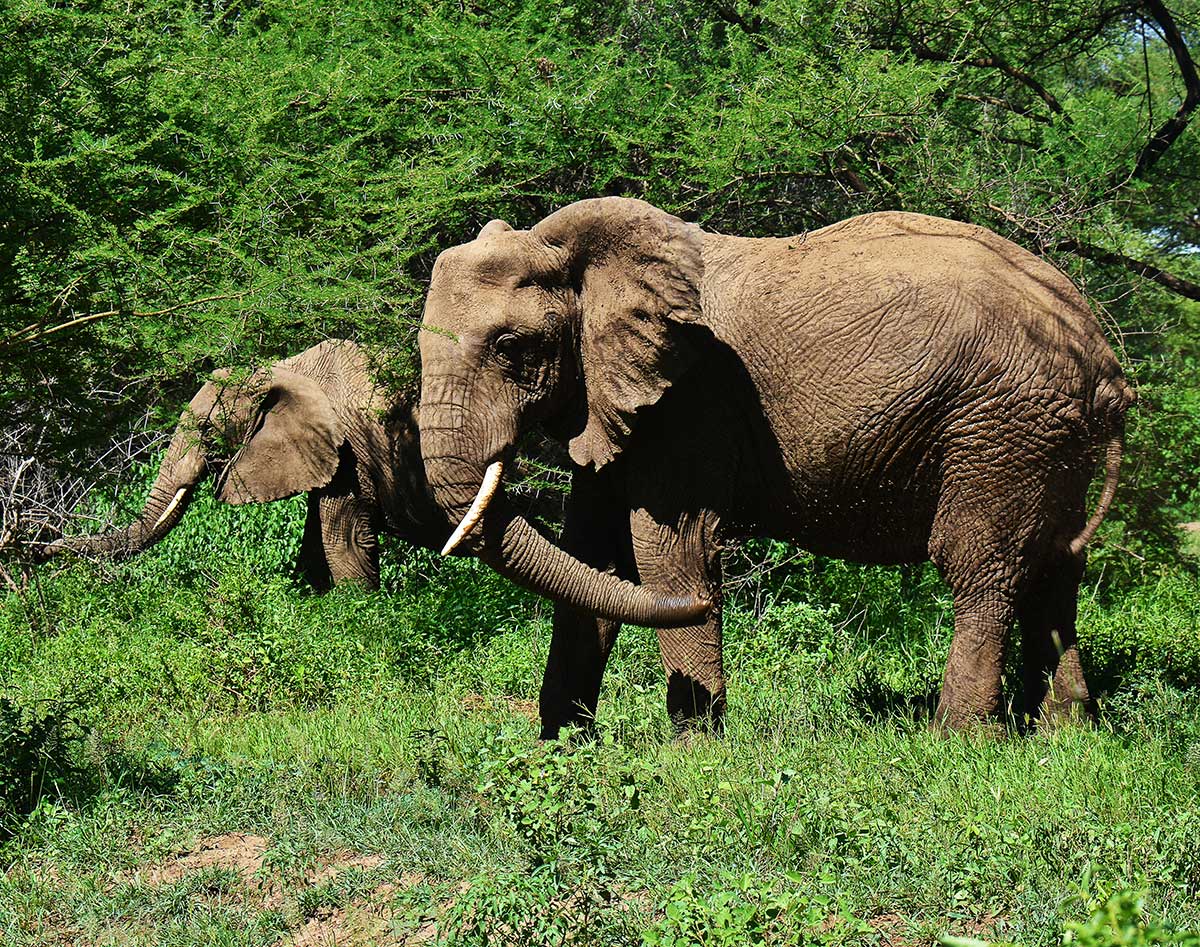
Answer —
(224, 183)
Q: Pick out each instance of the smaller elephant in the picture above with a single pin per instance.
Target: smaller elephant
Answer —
(317, 422)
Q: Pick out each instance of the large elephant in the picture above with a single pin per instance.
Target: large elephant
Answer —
(316, 422)
(889, 389)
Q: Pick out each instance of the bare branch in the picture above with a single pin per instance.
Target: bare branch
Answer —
(31, 332)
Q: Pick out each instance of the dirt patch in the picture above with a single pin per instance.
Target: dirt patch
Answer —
(365, 922)
(340, 862)
(894, 930)
(519, 706)
(361, 923)
(235, 851)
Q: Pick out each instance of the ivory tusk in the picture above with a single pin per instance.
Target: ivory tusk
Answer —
(487, 490)
(175, 501)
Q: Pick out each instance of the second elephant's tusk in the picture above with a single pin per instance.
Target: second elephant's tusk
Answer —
(487, 490)
(175, 501)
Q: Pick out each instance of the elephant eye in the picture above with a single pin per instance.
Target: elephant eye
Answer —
(508, 346)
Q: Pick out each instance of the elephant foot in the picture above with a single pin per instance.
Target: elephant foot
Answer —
(578, 720)
(695, 708)
(1056, 713)
(952, 717)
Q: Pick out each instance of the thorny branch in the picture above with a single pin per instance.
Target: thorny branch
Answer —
(922, 51)
(32, 331)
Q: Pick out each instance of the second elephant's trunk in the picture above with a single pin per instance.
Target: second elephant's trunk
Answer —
(182, 468)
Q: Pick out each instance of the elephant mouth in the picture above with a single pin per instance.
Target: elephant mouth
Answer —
(487, 490)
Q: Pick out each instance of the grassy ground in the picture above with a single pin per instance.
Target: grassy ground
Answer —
(196, 753)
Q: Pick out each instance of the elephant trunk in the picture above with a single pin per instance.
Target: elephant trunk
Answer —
(182, 468)
(510, 545)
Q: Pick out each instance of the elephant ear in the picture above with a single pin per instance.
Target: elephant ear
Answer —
(292, 446)
(637, 270)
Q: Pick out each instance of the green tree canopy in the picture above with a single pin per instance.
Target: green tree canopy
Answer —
(191, 184)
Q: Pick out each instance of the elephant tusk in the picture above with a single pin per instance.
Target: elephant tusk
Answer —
(487, 490)
(179, 495)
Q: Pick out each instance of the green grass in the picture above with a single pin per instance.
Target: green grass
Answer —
(155, 706)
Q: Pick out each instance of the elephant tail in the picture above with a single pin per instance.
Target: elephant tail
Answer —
(1115, 400)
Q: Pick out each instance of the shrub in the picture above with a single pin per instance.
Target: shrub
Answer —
(35, 751)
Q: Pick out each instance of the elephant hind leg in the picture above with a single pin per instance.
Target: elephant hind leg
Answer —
(981, 543)
(971, 687)
(1055, 688)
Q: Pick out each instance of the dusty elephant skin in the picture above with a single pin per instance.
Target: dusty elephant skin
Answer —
(316, 422)
(889, 389)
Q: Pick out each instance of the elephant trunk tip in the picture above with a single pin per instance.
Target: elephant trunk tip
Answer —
(689, 608)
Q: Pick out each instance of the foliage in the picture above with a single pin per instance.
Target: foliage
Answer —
(35, 750)
(742, 910)
(1121, 922)
(225, 183)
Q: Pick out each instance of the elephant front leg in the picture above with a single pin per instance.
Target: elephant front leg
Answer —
(687, 558)
(311, 563)
(340, 541)
(579, 651)
(596, 531)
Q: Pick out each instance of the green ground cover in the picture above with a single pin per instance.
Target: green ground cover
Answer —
(207, 754)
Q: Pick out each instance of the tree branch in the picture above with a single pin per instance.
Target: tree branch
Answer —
(729, 14)
(1089, 251)
(31, 332)
(1161, 140)
(921, 51)
(1176, 284)
(1006, 105)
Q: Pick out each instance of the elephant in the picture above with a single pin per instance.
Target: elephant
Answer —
(892, 388)
(316, 422)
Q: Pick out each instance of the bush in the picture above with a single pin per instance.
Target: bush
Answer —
(35, 752)
(1121, 922)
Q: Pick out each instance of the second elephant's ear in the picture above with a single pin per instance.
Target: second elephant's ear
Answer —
(292, 444)
(638, 271)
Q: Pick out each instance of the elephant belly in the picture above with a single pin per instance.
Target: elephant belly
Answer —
(848, 512)
(843, 483)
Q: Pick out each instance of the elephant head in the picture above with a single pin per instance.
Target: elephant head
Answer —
(315, 423)
(576, 324)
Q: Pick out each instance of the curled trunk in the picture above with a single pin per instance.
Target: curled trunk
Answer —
(524, 555)
(511, 546)
(182, 469)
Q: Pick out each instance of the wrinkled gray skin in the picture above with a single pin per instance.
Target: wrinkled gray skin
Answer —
(889, 389)
(316, 422)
